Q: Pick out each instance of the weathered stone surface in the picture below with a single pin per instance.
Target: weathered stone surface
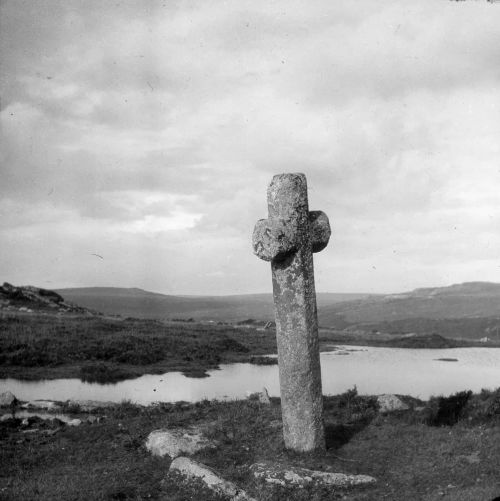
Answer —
(288, 238)
(274, 239)
(320, 230)
(176, 442)
(390, 403)
(74, 422)
(7, 398)
(41, 404)
(292, 476)
(193, 470)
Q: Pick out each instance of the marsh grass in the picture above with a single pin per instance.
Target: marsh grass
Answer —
(447, 411)
(263, 360)
(98, 349)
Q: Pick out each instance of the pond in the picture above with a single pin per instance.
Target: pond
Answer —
(420, 373)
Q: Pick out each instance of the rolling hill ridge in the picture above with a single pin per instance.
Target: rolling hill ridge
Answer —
(466, 300)
(139, 303)
(468, 310)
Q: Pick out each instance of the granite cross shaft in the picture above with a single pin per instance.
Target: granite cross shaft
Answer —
(288, 238)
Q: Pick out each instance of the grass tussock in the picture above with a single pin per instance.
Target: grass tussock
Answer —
(446, 411)
(263, 360)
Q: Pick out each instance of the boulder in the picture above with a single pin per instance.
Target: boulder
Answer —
(190, 470)
(7, 399)
(293, 476)
(176, 442)
(390, 403)
(74, 422)
(42, 404)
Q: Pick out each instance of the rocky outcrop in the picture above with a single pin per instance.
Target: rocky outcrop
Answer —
(7, 399)
(178, 441)
(390, 403)
(192, 470)
(28, 299)
(293, 476)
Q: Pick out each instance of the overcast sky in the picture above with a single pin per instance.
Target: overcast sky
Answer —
(147, 132)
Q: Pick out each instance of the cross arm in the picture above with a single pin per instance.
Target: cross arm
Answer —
(274, 238)
(320, 230)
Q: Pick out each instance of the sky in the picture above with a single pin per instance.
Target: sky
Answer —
(138, 140)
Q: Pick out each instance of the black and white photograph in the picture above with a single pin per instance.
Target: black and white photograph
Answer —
(249, 250)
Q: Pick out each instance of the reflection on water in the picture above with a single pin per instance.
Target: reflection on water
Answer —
(372, 370)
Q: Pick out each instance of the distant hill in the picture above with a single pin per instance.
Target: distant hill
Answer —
(144, 304)
(469, 310)
(467, 300)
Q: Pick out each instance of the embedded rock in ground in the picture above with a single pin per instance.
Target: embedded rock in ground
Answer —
(74, 422)
(471, 458)
(292, 476)
(7, 398)
(192, 470)
(176, 442)
(41, 404)
(390, 403)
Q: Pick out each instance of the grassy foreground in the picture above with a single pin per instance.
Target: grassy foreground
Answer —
(410, 456)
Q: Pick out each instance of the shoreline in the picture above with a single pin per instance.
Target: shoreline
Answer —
(108, 350)
(130, 372)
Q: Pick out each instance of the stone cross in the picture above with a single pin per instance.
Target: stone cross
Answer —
(288, 238)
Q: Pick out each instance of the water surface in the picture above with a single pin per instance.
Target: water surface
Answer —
(416, 372)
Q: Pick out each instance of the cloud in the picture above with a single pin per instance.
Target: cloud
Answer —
(161, 123)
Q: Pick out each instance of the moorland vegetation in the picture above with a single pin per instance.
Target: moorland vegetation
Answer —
(101, 349)
(446, 448)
